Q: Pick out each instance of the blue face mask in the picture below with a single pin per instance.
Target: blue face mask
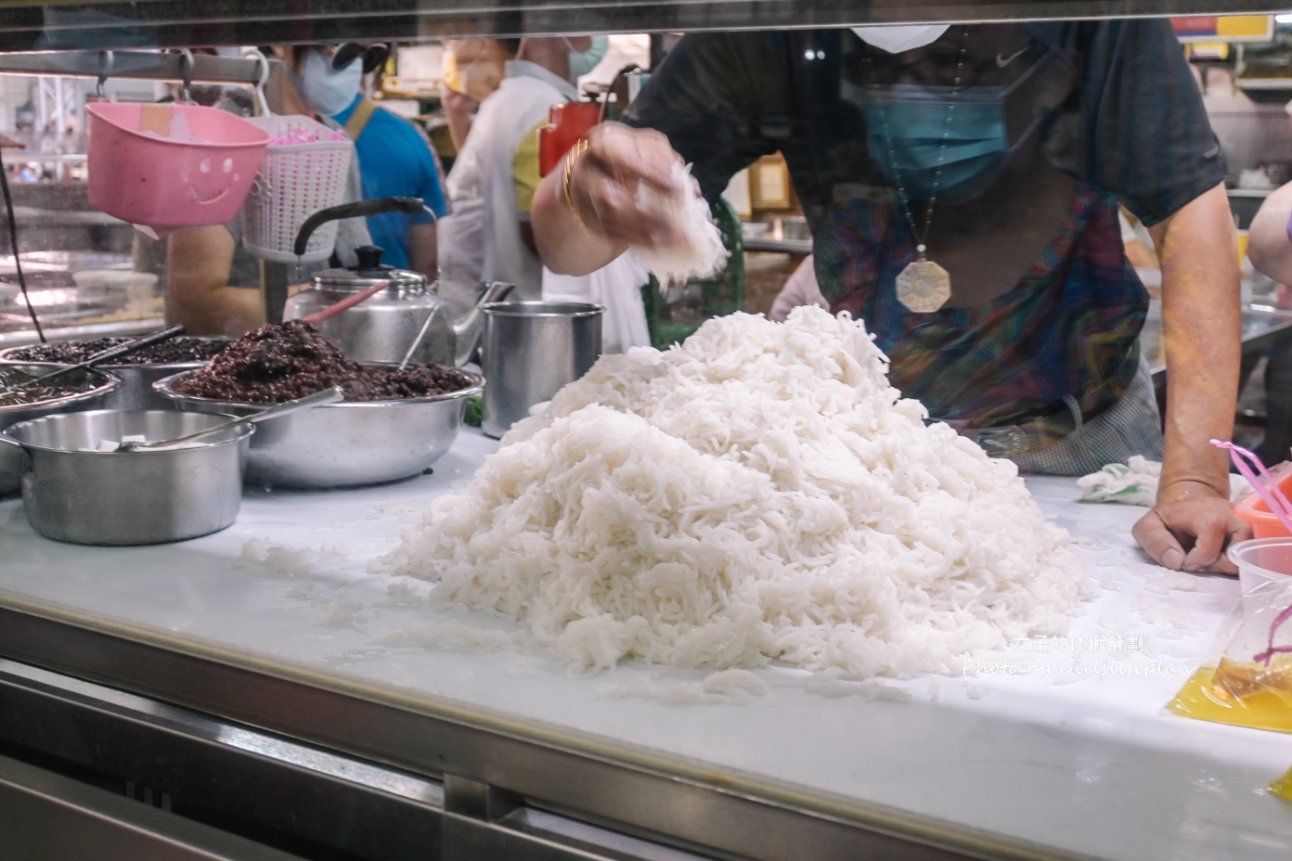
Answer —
(329, 91)
(582, 62)
(908, 132)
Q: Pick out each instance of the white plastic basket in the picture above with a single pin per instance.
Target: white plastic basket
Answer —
(295, 181)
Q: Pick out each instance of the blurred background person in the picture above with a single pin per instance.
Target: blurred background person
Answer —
(491, 187)
(395, 157)
(800, 289)
(473, 69)
(1270, 251)
(212, 281)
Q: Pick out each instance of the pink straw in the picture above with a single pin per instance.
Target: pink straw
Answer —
(1265, 656)
(1278, 504)
(1264, 485)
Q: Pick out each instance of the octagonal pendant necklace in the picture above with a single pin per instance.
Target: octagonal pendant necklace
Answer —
(923, 286)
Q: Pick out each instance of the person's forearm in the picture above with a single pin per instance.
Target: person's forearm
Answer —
(230, 311)
(1202, 325)
(198, 293)
(1269, 247)
(423, 250)
(459, 128)
(566, 244)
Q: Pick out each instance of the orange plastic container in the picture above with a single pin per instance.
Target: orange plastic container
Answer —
(1254, 510)
(171, 166)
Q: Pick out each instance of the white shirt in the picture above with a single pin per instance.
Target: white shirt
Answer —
(481, 240)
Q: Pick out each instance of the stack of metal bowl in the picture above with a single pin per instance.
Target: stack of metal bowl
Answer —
(347, 444)
(138, 371)
(78, 390)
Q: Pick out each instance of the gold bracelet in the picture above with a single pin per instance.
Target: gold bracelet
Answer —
(576, 152)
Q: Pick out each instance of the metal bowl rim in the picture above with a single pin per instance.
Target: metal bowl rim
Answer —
(532, 308)
(7, 359)
(165, 387)
(240, 433)
(110, 384)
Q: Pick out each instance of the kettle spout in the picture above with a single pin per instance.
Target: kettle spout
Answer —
(469, 329)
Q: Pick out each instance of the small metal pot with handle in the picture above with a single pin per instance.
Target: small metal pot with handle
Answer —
(73, 490)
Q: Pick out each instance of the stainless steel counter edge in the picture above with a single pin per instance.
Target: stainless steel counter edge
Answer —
(627, 789)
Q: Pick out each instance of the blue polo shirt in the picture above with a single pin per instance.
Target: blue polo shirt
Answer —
(395, 161)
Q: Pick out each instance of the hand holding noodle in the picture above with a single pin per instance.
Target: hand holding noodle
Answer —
(626, 187)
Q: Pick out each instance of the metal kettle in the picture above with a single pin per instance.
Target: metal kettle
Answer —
(407, 314)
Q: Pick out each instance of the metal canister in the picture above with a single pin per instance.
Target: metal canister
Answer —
(530, 350)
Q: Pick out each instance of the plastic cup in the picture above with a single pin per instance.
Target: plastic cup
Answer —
(1263, 560)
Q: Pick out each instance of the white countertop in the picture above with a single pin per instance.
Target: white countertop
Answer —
(1062, 743)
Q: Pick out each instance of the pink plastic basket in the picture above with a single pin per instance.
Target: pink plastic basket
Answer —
(171, 166)
(299, 177)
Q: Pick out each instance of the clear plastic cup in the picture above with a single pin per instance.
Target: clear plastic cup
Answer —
(1263, 560)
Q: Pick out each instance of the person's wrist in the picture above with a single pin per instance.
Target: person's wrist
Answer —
(1179, 489)
(567, 179)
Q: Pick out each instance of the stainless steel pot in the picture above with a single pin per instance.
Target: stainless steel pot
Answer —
(348, 444)
(99, 386)
(73, 492)
(530, 350)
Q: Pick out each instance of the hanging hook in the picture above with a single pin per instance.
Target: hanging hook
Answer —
(262, 64)
(105, 69)
(186, 75)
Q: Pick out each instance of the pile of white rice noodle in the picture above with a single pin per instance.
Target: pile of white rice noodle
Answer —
(759, 494)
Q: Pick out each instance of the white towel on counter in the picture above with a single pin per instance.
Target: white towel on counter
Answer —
(1135, 483)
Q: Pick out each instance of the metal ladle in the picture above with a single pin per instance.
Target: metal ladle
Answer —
(324, 396)
(417, 342)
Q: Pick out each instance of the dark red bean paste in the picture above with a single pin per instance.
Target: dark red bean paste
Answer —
(283, 361)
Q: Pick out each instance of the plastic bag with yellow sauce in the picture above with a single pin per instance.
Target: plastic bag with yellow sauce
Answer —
(1251, 685)
(1283, 786)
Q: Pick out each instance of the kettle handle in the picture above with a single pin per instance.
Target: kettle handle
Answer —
(407, 205)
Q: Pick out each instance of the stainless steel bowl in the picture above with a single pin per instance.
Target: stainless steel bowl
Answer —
(73, 492)
(101, 386)
(348, 444)
(136, 391)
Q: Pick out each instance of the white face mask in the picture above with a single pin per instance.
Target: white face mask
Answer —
(329, 91)
(583, 62)
(896, 39)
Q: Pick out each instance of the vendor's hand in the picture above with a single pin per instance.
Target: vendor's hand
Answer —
(604, 180)
(457, 103)
(1190, 528)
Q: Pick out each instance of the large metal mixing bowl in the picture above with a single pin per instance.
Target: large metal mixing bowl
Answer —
(100, 386)
(74, 492)
(137, 378)
(347, 444)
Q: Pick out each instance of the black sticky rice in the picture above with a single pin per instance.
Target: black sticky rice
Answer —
(281, 362)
